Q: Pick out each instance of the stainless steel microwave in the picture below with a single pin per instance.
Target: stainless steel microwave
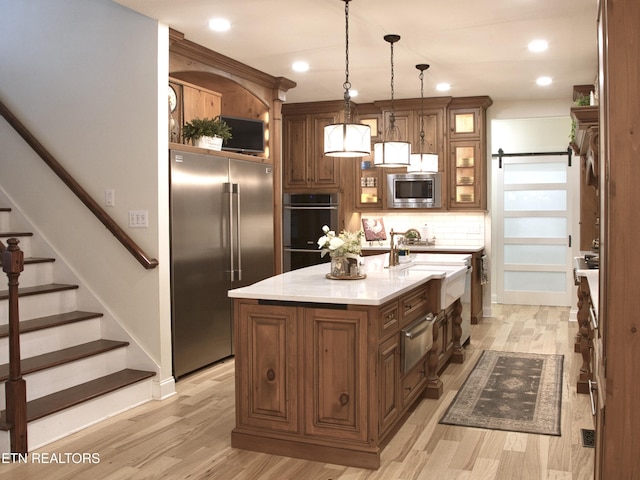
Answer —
(414, 190)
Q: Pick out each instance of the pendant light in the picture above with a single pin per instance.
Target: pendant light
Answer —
(423, 162)
(347, 139)
(391, 152)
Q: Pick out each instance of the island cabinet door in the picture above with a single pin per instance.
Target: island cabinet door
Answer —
(389, 388)
(266, 350)
(336, 395)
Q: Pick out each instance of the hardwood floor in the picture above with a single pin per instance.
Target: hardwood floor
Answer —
(188, 436)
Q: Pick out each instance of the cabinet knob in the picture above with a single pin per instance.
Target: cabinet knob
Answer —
(344, 399)
(271, 375)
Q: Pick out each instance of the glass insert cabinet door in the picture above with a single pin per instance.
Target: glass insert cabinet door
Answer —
(465, 123)
(467, 174)
(536, 216)
(369, 188)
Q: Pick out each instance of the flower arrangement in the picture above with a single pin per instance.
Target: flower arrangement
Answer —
(346, 244)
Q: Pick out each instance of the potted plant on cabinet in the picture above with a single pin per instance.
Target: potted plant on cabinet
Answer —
(206, 132)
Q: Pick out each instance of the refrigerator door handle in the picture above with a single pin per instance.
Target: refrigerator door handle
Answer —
(238, 237)
(231, 189)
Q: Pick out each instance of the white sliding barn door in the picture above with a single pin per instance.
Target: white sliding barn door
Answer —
(534, 230)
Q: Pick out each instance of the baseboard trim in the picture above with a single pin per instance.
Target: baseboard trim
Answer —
(163, 389)
(307, 451)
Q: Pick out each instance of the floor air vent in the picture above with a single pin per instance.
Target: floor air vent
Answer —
(588, 438)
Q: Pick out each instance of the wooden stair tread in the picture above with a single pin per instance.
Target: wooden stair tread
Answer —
(16, 234)
(39, 260)
(38, 289)
(56, 402)
(60, 357)
(50, 321)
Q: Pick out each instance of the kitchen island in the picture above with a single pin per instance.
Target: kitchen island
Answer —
(320, 367)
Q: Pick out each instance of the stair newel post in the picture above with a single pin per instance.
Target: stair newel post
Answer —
(15, 388)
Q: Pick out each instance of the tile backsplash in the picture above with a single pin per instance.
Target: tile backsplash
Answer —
(450, 229)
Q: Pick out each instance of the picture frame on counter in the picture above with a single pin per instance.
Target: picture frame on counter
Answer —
(374, 229)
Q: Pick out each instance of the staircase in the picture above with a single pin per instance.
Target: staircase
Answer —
(74, 377)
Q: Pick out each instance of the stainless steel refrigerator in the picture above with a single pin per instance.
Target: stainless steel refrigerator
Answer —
(221, 238)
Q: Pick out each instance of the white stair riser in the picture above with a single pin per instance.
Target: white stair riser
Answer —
(69, 375)
(46, 430)
(34, 306)
(4, 222)
(51, 339)
(35, 274)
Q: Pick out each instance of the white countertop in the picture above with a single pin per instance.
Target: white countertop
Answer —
(593, 279)
(382, 284)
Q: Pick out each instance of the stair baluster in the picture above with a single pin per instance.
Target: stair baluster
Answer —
(15, 388)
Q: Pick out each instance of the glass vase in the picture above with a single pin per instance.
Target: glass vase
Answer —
(345, 267)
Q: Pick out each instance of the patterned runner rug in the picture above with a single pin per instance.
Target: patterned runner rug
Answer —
(519, 392)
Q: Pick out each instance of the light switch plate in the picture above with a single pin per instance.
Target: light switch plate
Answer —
(110, 197)
(139, 218)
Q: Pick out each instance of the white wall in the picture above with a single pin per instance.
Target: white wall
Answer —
(84, 77)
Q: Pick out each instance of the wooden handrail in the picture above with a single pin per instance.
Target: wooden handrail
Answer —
(15, 387)
(128, 243)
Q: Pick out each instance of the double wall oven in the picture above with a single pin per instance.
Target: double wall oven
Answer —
(304, 216)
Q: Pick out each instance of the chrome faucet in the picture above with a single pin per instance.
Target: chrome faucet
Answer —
(393, 251)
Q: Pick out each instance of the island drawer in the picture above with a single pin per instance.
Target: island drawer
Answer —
(414, 304)
(412, 383)
(388, 318)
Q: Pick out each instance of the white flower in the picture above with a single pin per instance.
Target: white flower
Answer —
(346, 244)
(335, 243)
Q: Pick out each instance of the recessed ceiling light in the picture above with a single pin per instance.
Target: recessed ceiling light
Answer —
(300, 66)
(544, 81)
(538, 45)
(219, 24)
(353, 92)
(443, 87)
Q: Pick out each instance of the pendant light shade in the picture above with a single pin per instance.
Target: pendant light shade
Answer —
(423, 162)
(392, 152)
(347, 139)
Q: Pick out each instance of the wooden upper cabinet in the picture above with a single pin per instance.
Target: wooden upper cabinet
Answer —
(324, 170)
(433, 123)
(454, 129)
(467, 176)
(295, 156)
(467, 162)
(465, 123)
(369, 186)
(403, 131)
(305, 166)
